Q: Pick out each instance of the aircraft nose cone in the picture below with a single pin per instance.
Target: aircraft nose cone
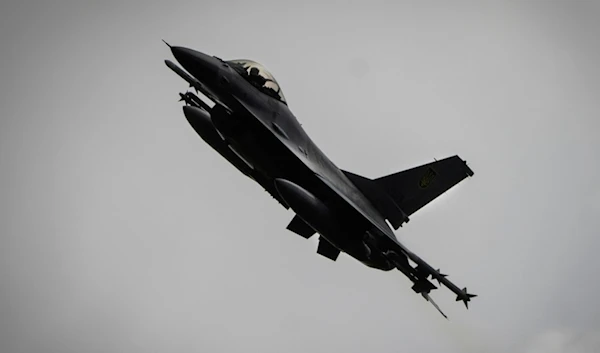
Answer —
(198, 64)
(183, 53)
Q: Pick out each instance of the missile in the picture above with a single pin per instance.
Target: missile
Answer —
(465, 297)
(197, 85)
(441, 274)
(188, 100)
(184, 75)
(192, 99)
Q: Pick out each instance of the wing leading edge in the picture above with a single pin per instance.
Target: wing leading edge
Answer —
(376, 218)
(397, 195)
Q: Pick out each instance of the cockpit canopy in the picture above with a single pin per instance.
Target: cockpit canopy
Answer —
(258, 76)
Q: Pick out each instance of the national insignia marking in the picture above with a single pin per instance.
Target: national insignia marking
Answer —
(427, 178)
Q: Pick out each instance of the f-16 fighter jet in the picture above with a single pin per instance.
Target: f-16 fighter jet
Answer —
(247, 120)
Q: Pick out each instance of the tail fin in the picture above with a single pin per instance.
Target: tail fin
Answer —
(411, 189)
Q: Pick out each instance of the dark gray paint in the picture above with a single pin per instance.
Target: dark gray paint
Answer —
(110, 261)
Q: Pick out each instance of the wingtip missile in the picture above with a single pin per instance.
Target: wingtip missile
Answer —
(440, 274)
(465, 297)
(192, 81)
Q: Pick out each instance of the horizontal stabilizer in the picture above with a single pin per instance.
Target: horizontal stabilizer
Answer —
(414, 188)
(298, 226)
(382, 201)
(326, 249)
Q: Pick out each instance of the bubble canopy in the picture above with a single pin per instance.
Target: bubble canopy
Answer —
(259, 77)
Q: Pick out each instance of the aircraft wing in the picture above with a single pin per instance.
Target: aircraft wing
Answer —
(352, 195)
(423, 269)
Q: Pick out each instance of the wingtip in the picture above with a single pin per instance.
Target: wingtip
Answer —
(465, 297)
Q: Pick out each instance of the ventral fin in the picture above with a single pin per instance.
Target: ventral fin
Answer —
(327, 249)
(298, 226)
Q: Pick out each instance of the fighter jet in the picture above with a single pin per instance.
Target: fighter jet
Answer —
(249, 122)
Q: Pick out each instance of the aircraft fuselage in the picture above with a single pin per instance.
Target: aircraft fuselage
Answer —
(266, 135)
(252, 127)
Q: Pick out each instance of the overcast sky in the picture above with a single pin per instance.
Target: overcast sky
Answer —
(122, 231)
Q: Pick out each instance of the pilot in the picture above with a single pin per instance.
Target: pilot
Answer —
(255, 78)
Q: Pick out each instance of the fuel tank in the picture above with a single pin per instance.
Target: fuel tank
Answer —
(314, 212)
(201, 121)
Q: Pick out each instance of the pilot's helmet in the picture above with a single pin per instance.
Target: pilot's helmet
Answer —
(254, 71)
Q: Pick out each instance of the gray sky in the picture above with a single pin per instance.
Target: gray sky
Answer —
(121, 232)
